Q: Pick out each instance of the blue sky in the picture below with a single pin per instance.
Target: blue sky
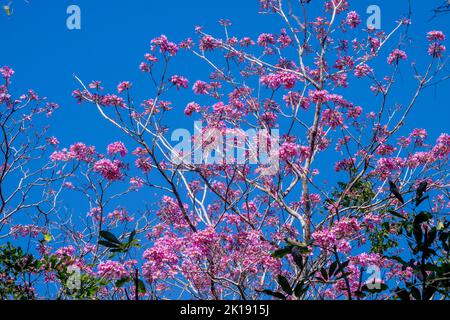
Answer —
(114, 36)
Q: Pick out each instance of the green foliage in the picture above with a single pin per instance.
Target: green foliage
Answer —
(111, 242)
(360, 194)
(15, 266)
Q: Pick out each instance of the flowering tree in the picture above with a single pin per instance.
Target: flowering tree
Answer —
(242, 211)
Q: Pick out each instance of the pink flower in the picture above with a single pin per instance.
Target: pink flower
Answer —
(117, 148)
(332, 118)
(442, 148)
(62, 155)
(345, 165)
(289, 150)
(296, 99)
(363, 70)
(201, 87)
(95, 213)
(283, 39)
(283, 78)
(191, 108)
(388, 166)
(396, 56)
(81, 152)
(246, 41)
(208, 43)
(136, 182)
(319, 96)
(109, 169)
(145, 164)
(53, 141)
(353, 19)
(124, 85)
(112, 270)
(265, 39)
(164, 45)
(6, 72)
(179, 81)
(436, 50)
(96, 85)
(435, 35)
(120, 215)
(65, 251)
(338, 236)
(26, 230)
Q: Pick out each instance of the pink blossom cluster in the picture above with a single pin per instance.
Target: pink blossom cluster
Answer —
(353, 19)
(164, 45)
(286, 79)
(436, 48)
(363, 70)
(191, 108)
(123, 86)
(387, 167)
(209, 43)
(113, 270)
(78, 151)
(319, 96)
(110, 170)
(179, 81)
(26, 230)
(117, 147)
(338, 236)
(120, 215)
(396, 55)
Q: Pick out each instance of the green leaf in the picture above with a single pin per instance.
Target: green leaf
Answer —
(418, 234)
(416, 293)
(284, 284)
(108, 244)
(297, 257)
(403, 294)
(422, 217)
(399, 215)
(381, 287)
(131, 237)
(141, 287)
(121, 282)
(109, 236)
(273, 294)
(419, 201)
(324, 274)
(332, 269)
(281, 253)
(299, 289)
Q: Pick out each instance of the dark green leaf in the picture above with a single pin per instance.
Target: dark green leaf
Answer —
(422, 217)
(109, 236)
(121, 282)
(274, 294)
(282, 252)
(375, 288)
(416, 293)
(284, 284)
(131, 237)
(403, 294)
(394, 213)
(141, 287)
(108, 244)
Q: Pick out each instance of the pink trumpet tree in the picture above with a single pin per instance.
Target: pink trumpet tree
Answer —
(226, 229)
